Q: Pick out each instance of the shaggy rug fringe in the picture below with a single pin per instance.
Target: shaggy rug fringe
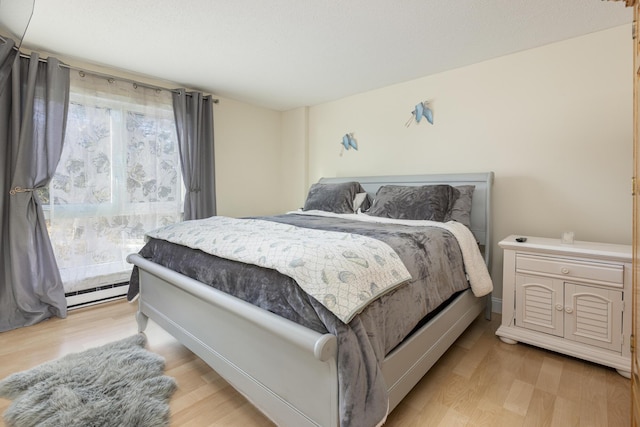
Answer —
(117, 384)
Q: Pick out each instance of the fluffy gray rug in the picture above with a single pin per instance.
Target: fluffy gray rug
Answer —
(117, 384)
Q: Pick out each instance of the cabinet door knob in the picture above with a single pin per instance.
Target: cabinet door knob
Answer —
(569, 310)
(559, 307)
(564, 270)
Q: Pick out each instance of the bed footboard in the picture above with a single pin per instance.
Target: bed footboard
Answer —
(248, 346)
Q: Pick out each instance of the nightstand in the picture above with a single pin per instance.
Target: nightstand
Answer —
(574, 299)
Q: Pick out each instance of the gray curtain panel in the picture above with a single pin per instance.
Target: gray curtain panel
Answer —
(33, 116)
(194, 124)
(7, 55)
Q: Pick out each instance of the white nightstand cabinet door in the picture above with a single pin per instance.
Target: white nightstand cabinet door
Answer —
(539, 304)
(593, 316)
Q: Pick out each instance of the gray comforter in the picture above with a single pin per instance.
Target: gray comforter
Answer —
(431, 255)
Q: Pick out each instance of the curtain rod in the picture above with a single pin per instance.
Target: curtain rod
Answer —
(110, 77)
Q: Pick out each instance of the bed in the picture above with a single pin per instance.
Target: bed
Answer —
(289, 371)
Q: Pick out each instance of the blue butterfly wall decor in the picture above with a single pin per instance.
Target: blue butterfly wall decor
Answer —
(421, 110)
(348, 141)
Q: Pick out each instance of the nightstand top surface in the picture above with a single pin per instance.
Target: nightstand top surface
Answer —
(577, 248)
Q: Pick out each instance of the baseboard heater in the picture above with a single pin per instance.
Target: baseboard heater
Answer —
(100, 294)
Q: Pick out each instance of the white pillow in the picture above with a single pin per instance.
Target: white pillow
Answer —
(358, 200)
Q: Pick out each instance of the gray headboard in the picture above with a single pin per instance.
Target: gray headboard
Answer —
(480, 206)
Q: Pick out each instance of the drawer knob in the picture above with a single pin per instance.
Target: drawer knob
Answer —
(559, 307)
(564, 270)
(569, 310)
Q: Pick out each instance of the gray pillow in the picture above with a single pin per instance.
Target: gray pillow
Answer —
(337, 198)
(426, 202)
(461, 210)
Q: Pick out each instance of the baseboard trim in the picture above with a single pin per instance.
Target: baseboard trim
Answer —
(496, 305)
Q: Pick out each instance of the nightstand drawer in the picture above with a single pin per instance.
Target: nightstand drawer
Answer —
(596, 272)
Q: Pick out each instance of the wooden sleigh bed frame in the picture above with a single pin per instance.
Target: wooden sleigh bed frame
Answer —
(288, 371)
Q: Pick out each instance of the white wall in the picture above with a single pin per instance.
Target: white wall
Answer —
(248, 159)
(294, 156)
(553, 123)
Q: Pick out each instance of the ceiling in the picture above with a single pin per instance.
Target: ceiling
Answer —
(284, 54)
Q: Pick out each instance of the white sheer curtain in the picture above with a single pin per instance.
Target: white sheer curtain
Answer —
(119, 176)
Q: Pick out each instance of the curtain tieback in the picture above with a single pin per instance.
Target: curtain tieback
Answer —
(194, 190)
(17, 190)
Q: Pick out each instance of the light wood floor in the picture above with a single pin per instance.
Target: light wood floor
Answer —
(480, 381)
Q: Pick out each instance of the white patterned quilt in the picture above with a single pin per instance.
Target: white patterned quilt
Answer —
(342, 271)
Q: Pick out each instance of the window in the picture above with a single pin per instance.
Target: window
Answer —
(118, 177)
